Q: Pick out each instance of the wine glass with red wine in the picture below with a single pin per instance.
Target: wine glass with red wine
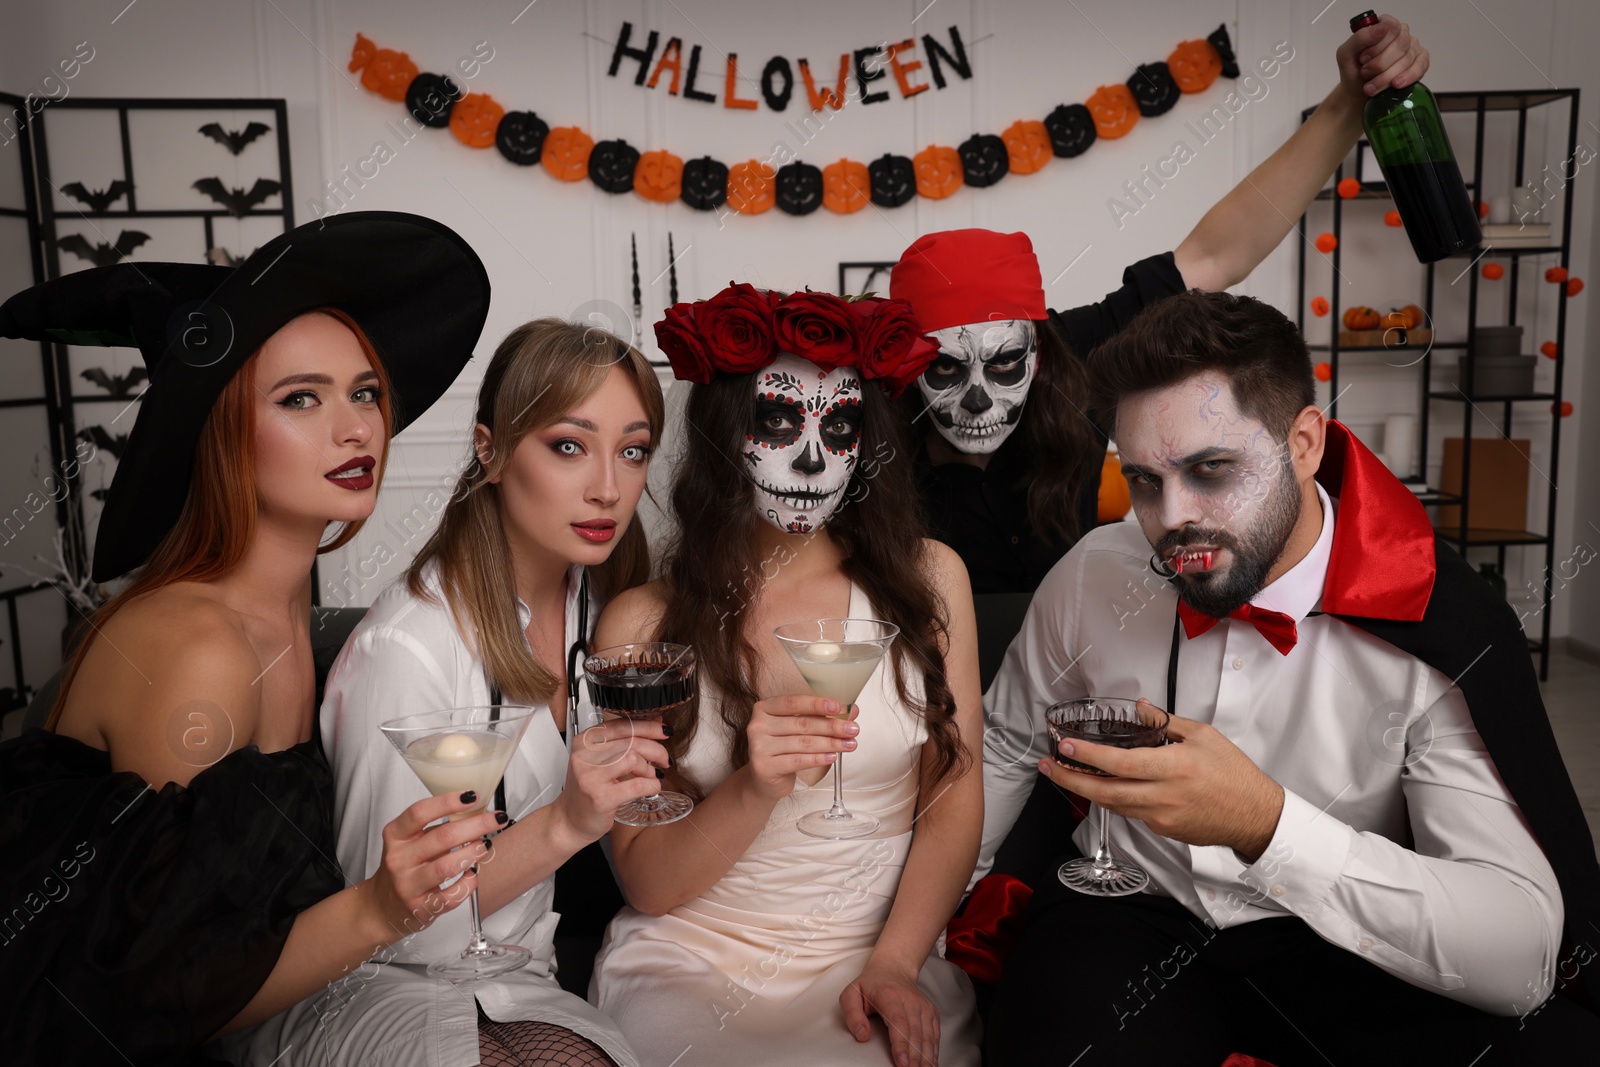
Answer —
(1124, 723)
(644, 680)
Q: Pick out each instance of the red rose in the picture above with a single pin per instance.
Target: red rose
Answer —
(679, 337)
(893, 349)
(819, 327)
(737, 327)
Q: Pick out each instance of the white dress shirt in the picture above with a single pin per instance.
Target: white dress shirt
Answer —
(1397, 839)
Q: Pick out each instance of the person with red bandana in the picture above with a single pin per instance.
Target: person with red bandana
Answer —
(1361, 841)
(1010, 484)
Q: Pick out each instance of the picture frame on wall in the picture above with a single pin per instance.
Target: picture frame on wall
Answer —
(860, 278)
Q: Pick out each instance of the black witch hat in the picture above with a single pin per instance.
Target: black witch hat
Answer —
(414, 286)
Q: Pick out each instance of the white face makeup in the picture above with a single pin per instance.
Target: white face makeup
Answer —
(801, 449)
(1213, 490)
(976, 386)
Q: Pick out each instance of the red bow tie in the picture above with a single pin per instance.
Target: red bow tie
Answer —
(1275, 626)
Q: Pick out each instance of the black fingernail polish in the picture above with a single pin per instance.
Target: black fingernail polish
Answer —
(501, 817)
(660, 773)
(487, 843)
(666, 729)
(469, 797)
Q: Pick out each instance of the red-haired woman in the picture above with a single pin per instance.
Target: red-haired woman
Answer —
(794, 500)
(174, 820)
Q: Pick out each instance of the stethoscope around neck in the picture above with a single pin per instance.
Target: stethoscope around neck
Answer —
(577, 652)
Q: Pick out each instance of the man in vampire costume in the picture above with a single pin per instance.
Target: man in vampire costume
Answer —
(1361, 841)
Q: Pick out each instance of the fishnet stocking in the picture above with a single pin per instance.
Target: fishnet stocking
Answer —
(535, 1044)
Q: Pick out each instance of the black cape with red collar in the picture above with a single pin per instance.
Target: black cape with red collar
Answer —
(1392, 576)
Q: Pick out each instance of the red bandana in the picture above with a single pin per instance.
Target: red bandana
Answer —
(957, 277)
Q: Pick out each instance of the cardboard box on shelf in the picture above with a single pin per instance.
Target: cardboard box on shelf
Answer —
(1497, 499)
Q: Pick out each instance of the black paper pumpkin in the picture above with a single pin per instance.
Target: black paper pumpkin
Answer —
(611, 165)
(1224, 46)
(705, 184)
(799, 188)
(1071, 130)
(984, 159)
(430, 97)
(893, 180)
(520, 137)
(1154, 89)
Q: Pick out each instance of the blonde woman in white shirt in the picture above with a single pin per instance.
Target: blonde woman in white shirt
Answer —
(537, 535)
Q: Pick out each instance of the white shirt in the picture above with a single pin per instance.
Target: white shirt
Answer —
(1397, 839)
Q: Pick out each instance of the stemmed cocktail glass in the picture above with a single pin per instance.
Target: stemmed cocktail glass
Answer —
(836, 657)
(1123, 723)
(453, 751)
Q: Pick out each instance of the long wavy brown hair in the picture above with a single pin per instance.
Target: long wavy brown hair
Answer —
(879, 527)
(1062, 442)
(540, 372)
(217, 525)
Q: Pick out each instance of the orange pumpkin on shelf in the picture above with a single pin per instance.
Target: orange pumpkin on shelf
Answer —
(1028, 145)
(1194, 65)
(658, 176)
(938, 170)
(752, 187)
(1114, 110)
(1414, 316)
(474, 120)
(1361, 318)
(846, 186)
(566, 153)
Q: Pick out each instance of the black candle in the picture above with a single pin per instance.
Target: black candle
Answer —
(672, 272)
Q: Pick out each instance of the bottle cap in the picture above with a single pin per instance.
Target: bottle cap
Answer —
(1366, 18)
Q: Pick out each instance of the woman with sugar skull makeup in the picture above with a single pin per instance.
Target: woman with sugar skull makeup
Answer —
(1011, 484)
(746, 939)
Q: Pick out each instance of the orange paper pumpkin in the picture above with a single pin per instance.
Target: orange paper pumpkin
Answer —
(1550, 350)
(383, 70)
(846, 186)
(566, 153)
(1326, 242)
(1323, 372)
(938, 171)
(1574, 286)
(1493, 271)
(1360, 318)
(1115, 498)
(1194, 65)
(475, 118)
(1566, 408)
(658, 176)
(1392, 218)
(1349, 188)
(1555, 275)
(1483, 210)
(1114, 110)
(1028, 145)
(1319, 306)
(752, 187)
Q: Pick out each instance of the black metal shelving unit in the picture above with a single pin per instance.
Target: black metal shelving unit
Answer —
(1480, 104)
(60, 397)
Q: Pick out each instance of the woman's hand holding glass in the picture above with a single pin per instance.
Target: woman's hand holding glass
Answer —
(789, 734)
(618, 761)
(419, 856)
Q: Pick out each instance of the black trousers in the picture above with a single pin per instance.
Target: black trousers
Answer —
(1139, 980)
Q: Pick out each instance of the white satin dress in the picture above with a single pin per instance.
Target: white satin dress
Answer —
(751, 971)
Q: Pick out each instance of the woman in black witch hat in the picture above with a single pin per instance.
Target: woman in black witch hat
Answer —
(168, 836)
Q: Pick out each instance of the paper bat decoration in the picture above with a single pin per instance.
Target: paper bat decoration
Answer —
(118, 385)
(221, 257)
(237, 201)
(102, 255)
(234, 140)
(97, 436)
(97, 200)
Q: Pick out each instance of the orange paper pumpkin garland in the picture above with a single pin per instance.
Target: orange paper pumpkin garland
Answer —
(845, 187)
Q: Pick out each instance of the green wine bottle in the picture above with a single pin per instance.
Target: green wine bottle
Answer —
(1414, 154)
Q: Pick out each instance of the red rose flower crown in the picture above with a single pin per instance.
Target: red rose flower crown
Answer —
(743, 329)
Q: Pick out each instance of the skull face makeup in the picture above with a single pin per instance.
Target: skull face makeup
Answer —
(801, 449)
(977, 385)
